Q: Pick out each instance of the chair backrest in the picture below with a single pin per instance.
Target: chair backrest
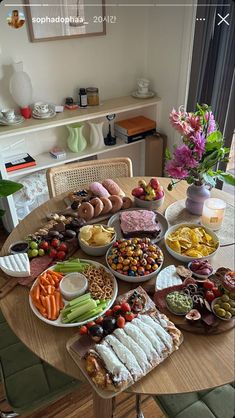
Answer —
(69, 177)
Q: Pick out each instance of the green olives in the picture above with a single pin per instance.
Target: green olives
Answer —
(224, 307)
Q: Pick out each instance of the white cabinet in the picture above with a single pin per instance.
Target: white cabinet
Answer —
(39, 136)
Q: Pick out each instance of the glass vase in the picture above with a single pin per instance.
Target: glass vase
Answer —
(196, 196)
(76, 141)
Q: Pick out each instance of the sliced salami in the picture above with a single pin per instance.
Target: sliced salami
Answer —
(37, 266)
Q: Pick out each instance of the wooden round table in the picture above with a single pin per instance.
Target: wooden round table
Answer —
(202, 362)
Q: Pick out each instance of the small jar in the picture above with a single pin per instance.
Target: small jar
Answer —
(83, 98)
(92, 96)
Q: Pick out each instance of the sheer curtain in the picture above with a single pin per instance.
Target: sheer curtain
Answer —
(212, 70)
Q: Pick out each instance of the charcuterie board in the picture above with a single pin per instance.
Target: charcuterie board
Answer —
(217, 326)
(123, 348)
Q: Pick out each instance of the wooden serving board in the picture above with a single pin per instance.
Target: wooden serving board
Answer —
(104, 393)
(199, 327)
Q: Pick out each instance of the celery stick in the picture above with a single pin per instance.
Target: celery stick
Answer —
(86, 316)
(91, 304)
(79, 299)
(70, 309)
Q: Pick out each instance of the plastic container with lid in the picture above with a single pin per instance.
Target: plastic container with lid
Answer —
(92, 96)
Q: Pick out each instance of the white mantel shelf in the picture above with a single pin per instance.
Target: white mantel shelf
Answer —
(117, 105)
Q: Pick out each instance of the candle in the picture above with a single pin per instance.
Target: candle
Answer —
(213, 213)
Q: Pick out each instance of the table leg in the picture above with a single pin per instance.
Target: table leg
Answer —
(138, 407)
(102, 408)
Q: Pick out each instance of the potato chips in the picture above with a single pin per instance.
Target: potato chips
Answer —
(192, 241)
(96, 235)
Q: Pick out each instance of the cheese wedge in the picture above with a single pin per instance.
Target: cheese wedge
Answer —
(167, 278)
(16, 265)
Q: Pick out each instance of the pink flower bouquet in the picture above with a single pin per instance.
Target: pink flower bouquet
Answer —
(197, 158)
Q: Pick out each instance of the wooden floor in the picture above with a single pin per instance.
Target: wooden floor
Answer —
(79, 403)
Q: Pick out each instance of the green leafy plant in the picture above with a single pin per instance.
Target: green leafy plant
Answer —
(7, 188)
(196, 159)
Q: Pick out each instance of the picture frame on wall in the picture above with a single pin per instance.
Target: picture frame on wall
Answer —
(65, 20)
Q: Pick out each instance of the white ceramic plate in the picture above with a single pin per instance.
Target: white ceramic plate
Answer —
(50, 114)
(18, 119)
(143, 96)
(115, 223)
(58, 322)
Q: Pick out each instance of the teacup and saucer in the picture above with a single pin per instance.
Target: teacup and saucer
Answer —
(143, 91)
(8, 114)
(41, 108)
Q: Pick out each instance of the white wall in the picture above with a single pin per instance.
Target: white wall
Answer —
(170, 39)
(112, 62)
(146, 41)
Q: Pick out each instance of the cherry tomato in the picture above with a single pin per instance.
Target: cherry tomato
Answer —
(116, 308)
(44, 245)
(99, 320)
(129, 316)
(83, 330)
(62, 247)
(109, 312)
(125, 307)
(208, 285)
(60, 255)
(209, 296)
(52, 253)
(121, 322)
(90, 324)
(55, 243)
(216, 291)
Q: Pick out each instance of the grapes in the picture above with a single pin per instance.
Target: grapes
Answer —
(33, 245)
(34, 253)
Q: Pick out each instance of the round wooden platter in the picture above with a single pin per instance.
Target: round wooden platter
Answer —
(199, 327)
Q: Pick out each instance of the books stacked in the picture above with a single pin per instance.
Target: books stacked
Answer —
(17, 162)
(134, 129)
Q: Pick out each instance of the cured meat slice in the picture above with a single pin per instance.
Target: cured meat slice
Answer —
(125, 356)
(134, 348)
(37, 266)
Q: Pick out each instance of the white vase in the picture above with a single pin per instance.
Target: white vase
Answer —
(20, 86)
(96, 135)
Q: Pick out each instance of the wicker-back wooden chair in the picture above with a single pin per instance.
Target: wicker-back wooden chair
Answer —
(69, 177)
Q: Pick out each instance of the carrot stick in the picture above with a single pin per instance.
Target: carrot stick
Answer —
(50, 279)
(61, 302)
(48, 309)
(40, 307)
(57, 301)
(43, 302)
(43, 290)
(37, 292)
(45, 281)
(53, 307)
(50, 289)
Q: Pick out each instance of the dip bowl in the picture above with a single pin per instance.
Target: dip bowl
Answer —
(73, 285)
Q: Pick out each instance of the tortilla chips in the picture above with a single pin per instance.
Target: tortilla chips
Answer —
(192, 241)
